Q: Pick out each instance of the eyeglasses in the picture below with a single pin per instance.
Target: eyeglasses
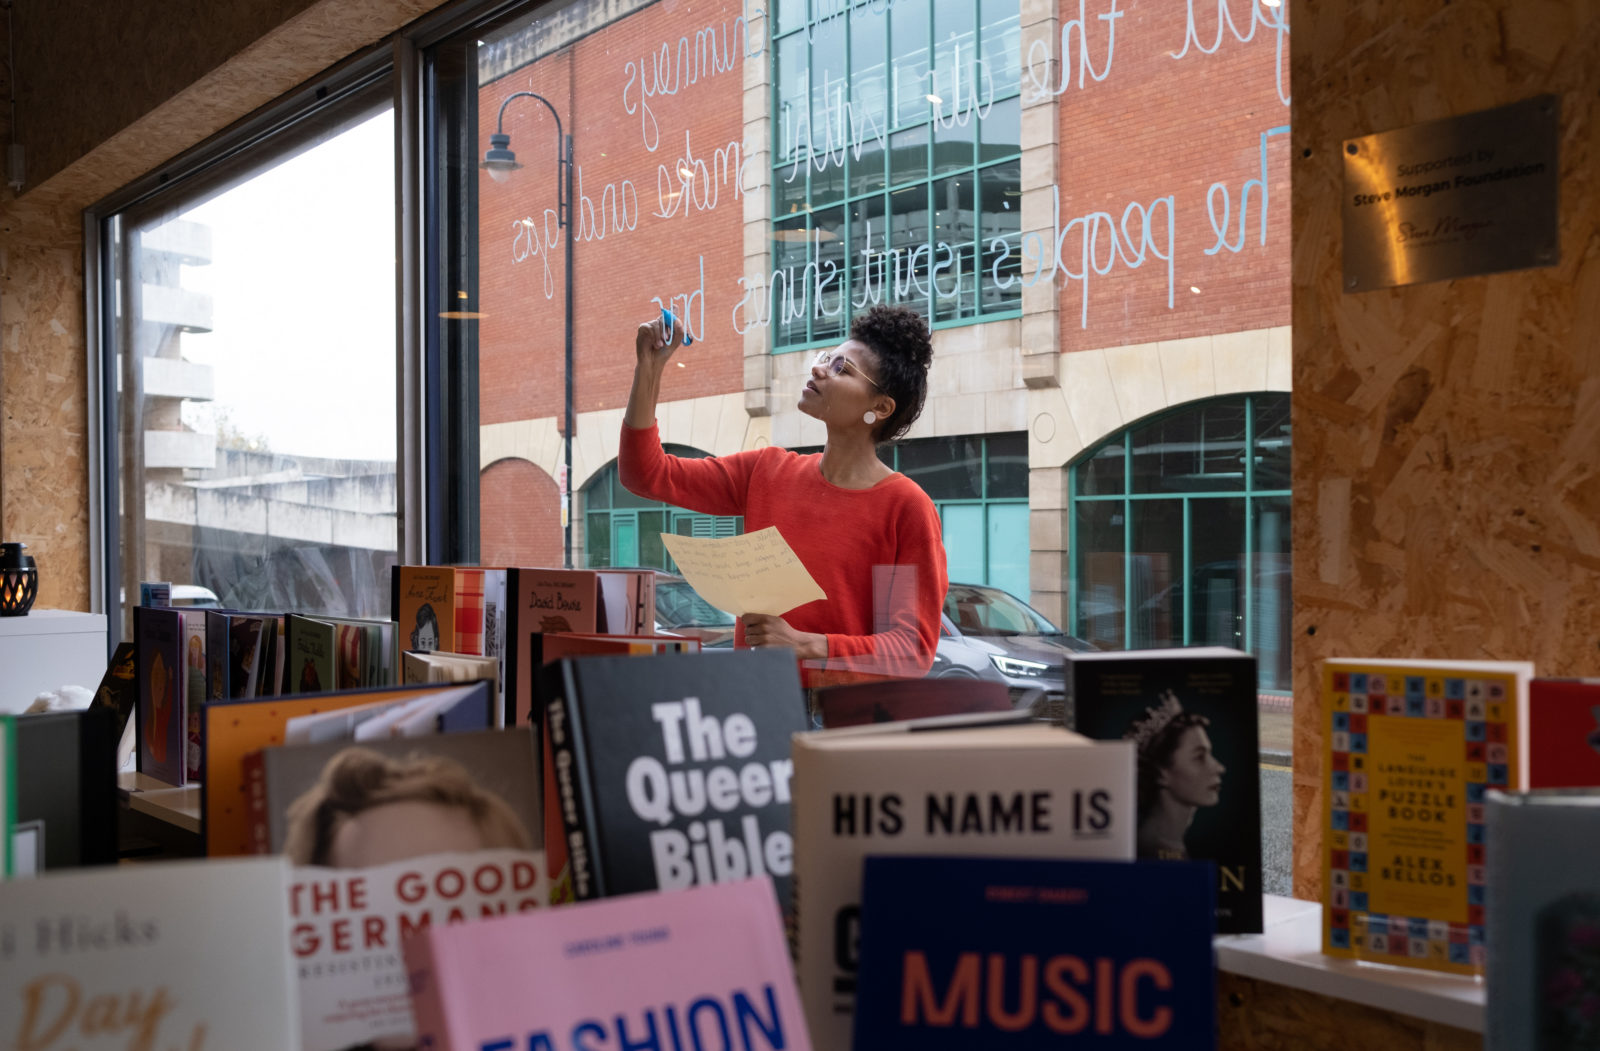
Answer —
(835, 362)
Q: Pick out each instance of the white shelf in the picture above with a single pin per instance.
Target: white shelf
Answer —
(48, 649)
(1289, 953)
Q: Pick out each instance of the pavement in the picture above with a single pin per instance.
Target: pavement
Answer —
(1277, 730)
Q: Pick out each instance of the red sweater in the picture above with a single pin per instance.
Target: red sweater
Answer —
(876, 552)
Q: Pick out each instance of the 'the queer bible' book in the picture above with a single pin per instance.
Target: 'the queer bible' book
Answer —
(703, 967)
(1019, 789)
(1564, 733)
(127, 957)
(672, 771)
(1010, 954)
(1411, 749)
(1192, 715)
(1544, 921)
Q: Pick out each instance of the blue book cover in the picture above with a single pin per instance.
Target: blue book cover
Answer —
(1003, 954)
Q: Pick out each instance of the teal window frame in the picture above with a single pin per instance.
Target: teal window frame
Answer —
(1132, 504)
(818, 13)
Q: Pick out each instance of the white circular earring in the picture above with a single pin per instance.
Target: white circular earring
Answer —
(870, 418)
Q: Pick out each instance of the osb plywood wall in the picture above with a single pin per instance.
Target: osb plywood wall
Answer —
(99, 91)
(1446, 435)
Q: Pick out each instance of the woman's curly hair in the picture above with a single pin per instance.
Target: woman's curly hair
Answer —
(899, 339)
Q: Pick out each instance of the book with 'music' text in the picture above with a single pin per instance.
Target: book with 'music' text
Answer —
(950, 785)
(1035, 953)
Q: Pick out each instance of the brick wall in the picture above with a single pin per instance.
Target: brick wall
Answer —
(520, 512)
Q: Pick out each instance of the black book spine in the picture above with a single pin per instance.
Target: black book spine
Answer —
(574, 793)
(511, 653)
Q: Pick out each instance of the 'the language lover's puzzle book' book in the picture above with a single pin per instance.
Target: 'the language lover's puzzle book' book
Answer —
(1010, 789)
(1544, 921)
(703, 967)
(347, 924)
(1564, 733)
(673, 770)
(132, 957)
(1411, 749)
(1008, 955)
(1192, 716)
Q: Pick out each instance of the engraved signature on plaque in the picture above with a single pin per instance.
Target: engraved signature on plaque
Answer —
(1474, 194)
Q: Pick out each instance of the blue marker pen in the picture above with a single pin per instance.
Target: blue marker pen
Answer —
(667, 321)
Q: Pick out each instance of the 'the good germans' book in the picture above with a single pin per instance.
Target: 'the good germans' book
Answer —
(1006, 954)
(1193, 717)
(119, 958)
(1411, 749)
(1019, 789)
(673, 770)
(1544, 921)
(704, 967)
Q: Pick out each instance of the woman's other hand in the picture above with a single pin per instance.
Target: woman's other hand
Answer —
(764, 629)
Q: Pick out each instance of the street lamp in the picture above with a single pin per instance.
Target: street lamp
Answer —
(500, 162)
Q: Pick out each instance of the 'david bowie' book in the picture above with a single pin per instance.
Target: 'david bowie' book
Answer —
(1193, 717)
(699, 968)
(1035, 954)
(191, 955)
(674, 770)
(1411, 748)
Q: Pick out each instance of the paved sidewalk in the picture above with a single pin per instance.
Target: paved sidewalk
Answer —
(1277, 731)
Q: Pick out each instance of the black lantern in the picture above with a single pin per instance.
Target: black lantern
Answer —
(19, 580)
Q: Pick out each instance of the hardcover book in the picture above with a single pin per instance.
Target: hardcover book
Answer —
(1010, 789)
(423, 605)
(702, 967)
(313, 654)
(889, 700)
(8, 791)
(1564, 733)
(1035, 953)
(67, 785)
(673, 770)
(1411, 747)
(127, 957)
(540, 602)
(1193, 718)
(158, 641)
(234, 729)
(1543, 957)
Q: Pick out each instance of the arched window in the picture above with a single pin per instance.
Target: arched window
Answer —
(1180, 533)
(621, 529)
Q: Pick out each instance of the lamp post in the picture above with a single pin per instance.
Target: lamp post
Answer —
(499, 161)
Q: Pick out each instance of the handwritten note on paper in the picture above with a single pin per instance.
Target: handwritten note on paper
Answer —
(754, 573)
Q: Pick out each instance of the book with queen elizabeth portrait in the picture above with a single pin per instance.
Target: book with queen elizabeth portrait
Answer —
(1193, 718)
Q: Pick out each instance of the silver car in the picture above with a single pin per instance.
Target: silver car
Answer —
(987, 633)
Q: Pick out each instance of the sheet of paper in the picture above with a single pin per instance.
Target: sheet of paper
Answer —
(754, 573)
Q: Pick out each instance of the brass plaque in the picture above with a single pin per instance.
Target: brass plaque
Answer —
(1475, 194)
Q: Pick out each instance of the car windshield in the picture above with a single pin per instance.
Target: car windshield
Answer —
(679, 606)
(990, 611)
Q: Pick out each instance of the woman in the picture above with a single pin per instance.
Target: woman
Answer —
(868, 535)
(1178, 774)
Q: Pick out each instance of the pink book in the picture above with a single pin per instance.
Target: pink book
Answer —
(636, 970)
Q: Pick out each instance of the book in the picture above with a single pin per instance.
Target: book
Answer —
(347, 925)
(627, 601)
(673, 770)
(1193, 716)
(1019, 789)
(706, 963)
(422, 605)
(158, 644)
(1006, 953)
(194, 689)
(499, 769)
(313, 655)
(1543, 937)
(1410, 748)
(8, 791)
(1564, 733)
(66, 785)
(234, 729)
(888, 700)
(540, 602)
(119, 686)
(440, 666)
(128, 957)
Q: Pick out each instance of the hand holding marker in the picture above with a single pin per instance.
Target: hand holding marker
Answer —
(667, 321)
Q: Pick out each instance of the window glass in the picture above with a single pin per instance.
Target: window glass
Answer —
(908, 43)
(1270, 623)
(1008, 466)
(257, 380)
(1192, 451)
(1099, 587)
(947, 468)
(1000, 236)
(1001, 47)
(1272, 441)
(830, 318)
(954, 229)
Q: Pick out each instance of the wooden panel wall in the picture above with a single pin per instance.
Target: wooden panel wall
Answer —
(91, 60)
(1446, 435)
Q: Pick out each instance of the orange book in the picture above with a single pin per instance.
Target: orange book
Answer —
(424, 608)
